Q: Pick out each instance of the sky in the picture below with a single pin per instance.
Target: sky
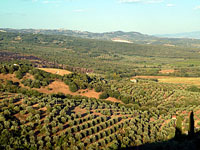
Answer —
(145, 16)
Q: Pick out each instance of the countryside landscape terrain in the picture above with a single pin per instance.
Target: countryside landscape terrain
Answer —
(75, 90)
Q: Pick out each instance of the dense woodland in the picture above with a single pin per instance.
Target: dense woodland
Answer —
(147, 114)
(121, 59)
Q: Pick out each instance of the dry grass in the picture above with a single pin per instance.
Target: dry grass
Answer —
(13, 78)
(79, 110)
(150, 77)
(28, 76)
(176, 80)
(9, 77)
(57, 87)
(56, 71)
(61, 87)
(184, 80)
(167, 71)
(89, 93)
(112, 99)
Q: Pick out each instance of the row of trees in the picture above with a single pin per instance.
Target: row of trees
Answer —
(59, 126)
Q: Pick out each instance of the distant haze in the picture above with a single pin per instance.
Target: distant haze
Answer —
(117, 36)
(192, 35)
(145, 16)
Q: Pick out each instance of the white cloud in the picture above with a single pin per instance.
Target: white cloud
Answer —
(170, 5)
(141, 1)
(197, 7)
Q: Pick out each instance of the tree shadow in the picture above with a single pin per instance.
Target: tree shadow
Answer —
(179, 142)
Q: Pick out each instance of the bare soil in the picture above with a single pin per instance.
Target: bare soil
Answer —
(58, 87)
(9, 77)
(61, 87)
(112, 99)
(80, 110)
(28, 76)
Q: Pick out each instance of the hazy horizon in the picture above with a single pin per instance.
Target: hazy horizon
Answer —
(97, 32)
(144, 16)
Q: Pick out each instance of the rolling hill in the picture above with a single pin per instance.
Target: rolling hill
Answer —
(133, 37)
(91, 55)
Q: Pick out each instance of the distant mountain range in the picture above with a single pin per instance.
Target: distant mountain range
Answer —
(129, 36)
(120, 36)
(192, 35)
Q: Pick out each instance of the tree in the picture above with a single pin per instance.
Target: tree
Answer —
(60, 126)
(191, 124)
(193, 89)
(78, 136)
(73, 87)
(178, 131)
(126, 141)
(97, 89)
(114, 145)
(103, 95)
(19, 74)
(4, 70)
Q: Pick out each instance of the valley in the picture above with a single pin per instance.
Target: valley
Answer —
(62, 92)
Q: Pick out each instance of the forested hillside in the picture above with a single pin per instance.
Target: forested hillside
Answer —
(134, 37)
(69, 93)
(122, 59)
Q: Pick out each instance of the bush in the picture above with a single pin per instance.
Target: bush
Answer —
(193, 89)
(4, 70)
(104, 95)
(19, 74)
(97, 89)
(73, 87)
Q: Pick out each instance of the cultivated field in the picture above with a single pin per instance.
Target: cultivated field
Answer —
(146, 111)
(176, 80)
(184, 80)
(167, 71)
(56, 71)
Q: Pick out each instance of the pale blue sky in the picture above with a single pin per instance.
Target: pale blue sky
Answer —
(146, 16)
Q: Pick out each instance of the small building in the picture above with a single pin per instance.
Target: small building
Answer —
(174, 117)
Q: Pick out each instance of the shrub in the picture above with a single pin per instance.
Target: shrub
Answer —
(73, 87)
(103, 95)
(193, 89)
(19, 74)
(98, 89)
